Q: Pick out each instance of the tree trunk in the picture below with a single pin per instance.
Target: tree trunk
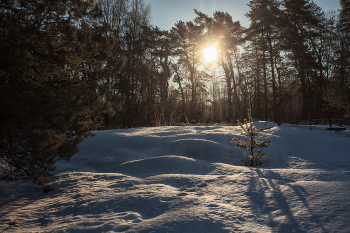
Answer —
(265, 88)
(273, 79)
(257, 91)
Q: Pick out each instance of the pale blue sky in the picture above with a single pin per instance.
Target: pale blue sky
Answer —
(165, 13)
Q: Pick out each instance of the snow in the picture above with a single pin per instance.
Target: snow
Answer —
(190, 179)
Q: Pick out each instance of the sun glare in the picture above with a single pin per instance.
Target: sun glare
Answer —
(210, 53)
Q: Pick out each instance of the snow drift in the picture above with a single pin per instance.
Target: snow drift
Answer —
(189, 179)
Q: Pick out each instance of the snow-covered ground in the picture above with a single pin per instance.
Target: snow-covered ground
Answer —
(190, 179)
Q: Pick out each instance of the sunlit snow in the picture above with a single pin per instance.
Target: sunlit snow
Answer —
(190, 179)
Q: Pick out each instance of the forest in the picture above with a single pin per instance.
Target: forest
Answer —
(290, 64)
(69, 67)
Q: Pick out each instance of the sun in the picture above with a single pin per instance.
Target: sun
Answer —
(210, 53)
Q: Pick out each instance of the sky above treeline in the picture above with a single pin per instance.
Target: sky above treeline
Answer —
(165, 13)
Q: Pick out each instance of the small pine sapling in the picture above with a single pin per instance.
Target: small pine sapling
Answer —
(249, 130)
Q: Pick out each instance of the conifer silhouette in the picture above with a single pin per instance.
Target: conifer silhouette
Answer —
(249, 130)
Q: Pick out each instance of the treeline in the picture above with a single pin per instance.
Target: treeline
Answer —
(68, 67)
(290, 64)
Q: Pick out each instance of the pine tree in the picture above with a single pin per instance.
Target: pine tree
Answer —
(303, 25)
(185, 41)
(222, 30)
(337, 95)
(265, 17)
(49, 73)
(249, 130)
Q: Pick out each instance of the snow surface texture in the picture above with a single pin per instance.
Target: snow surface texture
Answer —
(189, 179)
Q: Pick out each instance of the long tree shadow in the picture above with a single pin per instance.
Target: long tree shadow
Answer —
(299, 193)
(261, 205)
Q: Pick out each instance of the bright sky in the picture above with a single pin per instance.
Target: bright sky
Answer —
(165, 13)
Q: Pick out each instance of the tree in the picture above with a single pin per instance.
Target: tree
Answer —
(250, 131)
(49, 73)
(135, 49)
(303, 24)
(221, 30)
(185, 38)
(337, 95)
(264, 16)
(107, 20)
(253, 56)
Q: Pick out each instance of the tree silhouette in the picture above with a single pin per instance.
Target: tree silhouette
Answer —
(249, 130)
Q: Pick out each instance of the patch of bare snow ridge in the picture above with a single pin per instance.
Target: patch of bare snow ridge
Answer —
(189, 179)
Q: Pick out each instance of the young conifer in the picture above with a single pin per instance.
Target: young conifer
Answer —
(249, 130)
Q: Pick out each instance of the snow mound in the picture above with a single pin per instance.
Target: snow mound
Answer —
(168, 164)
(202, 149)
